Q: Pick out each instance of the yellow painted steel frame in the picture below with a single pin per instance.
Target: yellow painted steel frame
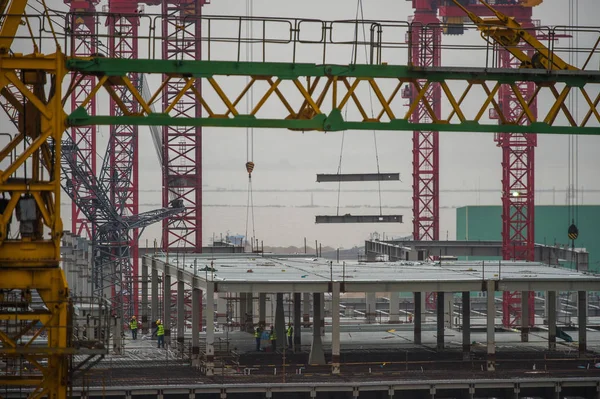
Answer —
(31, 262)
(508, 33)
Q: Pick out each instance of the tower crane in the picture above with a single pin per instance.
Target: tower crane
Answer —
(518, 47)
(425, 39)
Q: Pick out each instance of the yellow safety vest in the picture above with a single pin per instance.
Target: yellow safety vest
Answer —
(273, 336)
(290, 331)
(161, 330)
(133, 325)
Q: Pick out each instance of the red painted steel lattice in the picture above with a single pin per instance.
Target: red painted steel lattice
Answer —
(518, 189)
(123, 144)
(83, 44)
(425, 44)
(182, 145)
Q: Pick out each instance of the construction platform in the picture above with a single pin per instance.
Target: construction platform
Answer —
(390, 344)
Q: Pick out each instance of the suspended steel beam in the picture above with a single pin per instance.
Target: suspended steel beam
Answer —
(316, 96)
(349, 177)
(360, 219)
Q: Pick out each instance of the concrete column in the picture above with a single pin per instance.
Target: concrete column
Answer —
(154, 299)
(222, 309)
(68, 267)
(466, 324)
(196, 311)
(117, 329)
(167, 309)
(582, 320)
(146, 263)
(180, 314)
(335, 328)
(525, 316)
(210, 328)
(394, 307)
(491, 317)
(551, 317)
(371, 307)
(440, 320)
(280, 322)
(262, 309)
(417, 317)
(249, 307)
(242, 310)
(297, 324)
(306, 307)
(317, 356)
(449, 310)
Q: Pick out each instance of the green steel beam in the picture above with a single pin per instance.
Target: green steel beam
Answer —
(333, 119)
(120, 67)
(322, 122)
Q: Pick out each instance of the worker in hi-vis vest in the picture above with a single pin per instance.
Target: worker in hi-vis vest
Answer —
(133, 326)
(257, 335)
(160, 333)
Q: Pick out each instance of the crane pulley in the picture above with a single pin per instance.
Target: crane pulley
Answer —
(509, 33)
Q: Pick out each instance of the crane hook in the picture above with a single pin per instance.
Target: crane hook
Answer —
(249, 168)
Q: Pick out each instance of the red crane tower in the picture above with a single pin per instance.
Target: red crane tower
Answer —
(182, 145)
(518, 150)
(120, 171)
(425, 39)
(83, 44)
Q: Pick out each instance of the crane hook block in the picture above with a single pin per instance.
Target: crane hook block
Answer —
(249, 167)
(573, 232)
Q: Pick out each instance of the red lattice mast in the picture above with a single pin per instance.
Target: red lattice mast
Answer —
(518, 183)
(83, 44)
(182, 145)
(123, 23)
(425, 39)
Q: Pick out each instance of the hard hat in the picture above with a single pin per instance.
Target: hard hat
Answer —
(133, 317)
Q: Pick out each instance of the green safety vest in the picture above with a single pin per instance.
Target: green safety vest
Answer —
(273, 336)
(133, 325)
(290, 331)
(161, 330)
(257, 333)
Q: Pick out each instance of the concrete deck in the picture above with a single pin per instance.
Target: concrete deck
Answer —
(257, 274)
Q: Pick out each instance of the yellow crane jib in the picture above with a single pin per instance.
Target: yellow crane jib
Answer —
(12, 16)
(509, 33)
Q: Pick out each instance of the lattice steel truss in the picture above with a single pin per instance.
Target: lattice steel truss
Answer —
(518, 184)
(84, 43)
(120, 168)
(425, 39)
(182, 145)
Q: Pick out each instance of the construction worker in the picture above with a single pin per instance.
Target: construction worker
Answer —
(133, 326)
(273, 339)
(257, 335)
(160, 333)
(290, 336)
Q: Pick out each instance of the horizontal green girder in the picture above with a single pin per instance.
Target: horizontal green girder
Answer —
(120, 67)
(322, 122)
(329, 120)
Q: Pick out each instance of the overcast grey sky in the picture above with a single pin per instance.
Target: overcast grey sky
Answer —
(286, 159)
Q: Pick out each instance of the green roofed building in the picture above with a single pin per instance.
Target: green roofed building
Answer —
(484, 223)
